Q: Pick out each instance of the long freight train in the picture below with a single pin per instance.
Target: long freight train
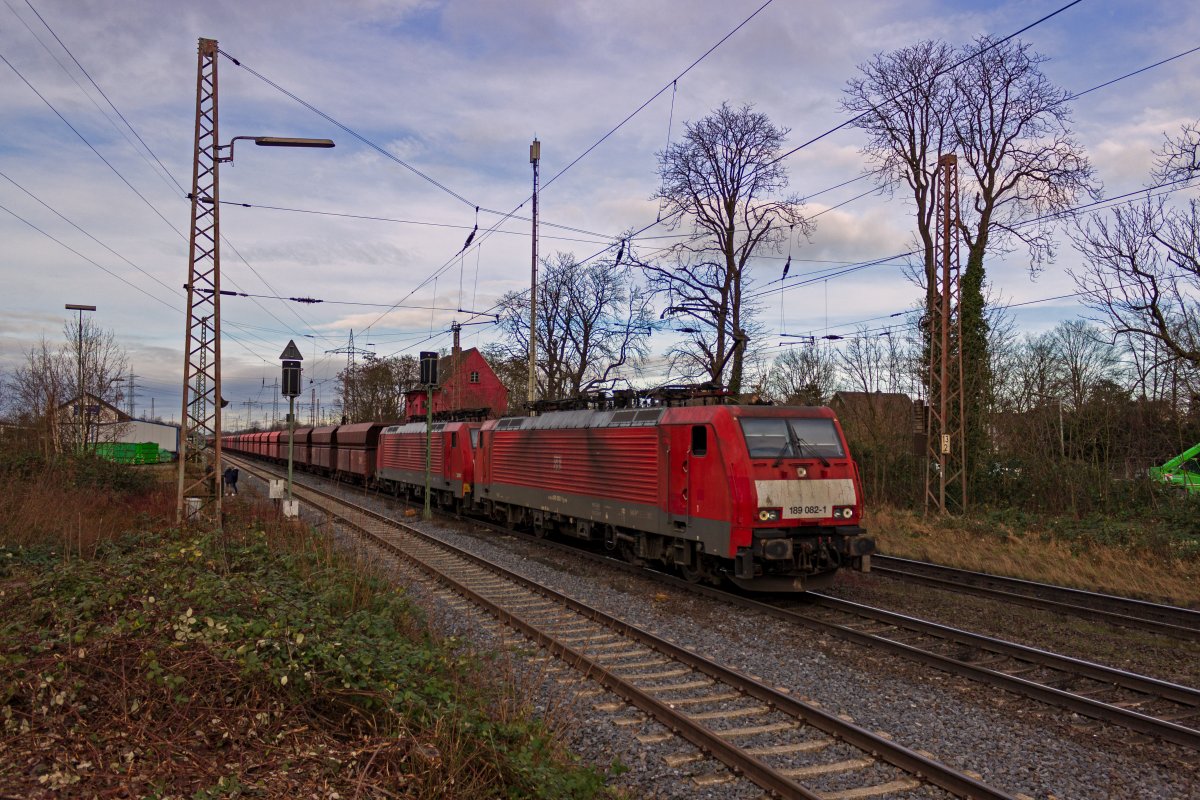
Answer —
(766, 497)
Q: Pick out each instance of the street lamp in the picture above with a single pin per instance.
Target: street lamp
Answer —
(79, 363)
(272, 141)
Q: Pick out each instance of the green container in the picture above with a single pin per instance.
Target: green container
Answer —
(131, 452)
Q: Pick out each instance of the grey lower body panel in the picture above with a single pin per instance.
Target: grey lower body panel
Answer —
(416, 478)
(713, 534)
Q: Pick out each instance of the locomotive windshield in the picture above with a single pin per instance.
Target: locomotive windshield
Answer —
(791, 437)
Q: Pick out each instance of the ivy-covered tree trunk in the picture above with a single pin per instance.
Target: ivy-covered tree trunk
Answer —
(976, 365)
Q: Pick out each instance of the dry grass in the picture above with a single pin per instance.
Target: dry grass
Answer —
(262, 661)
(44, 510)
(1036, 555)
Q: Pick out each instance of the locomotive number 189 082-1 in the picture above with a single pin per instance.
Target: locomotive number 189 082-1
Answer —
(809, 511)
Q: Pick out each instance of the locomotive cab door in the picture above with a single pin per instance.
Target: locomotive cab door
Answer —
(687, 446)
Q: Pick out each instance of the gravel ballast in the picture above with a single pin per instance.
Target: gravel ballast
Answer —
(1013, 743)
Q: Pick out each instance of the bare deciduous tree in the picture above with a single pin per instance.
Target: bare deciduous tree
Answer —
(1143, 261)
(1010, 126)
(723, 179)
(805, 375)
(375, 388)
(48, 397)
(592, 319)
(1179, 157)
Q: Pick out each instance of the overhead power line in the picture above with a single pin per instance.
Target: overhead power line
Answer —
(953, 66)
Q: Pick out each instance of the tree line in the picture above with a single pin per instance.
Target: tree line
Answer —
(1107, 396)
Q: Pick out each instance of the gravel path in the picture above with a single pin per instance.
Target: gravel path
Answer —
(1013, 743)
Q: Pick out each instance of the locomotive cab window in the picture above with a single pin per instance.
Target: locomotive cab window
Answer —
(699, 440)
(782, 437)
(475, 437)
(454, 438)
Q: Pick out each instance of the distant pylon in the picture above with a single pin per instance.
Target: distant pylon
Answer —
(945, 472)
(348, 385)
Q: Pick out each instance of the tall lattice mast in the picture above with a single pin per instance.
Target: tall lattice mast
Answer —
(945, 474)
(348, 387)
(200, 438)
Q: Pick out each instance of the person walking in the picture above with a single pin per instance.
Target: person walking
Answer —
(229, 478)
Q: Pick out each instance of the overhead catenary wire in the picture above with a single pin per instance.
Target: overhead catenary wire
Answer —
(899, 95)
(491, 230)
(124, 180)
(112, 105)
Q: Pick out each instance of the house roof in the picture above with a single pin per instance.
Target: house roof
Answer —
(93, 400)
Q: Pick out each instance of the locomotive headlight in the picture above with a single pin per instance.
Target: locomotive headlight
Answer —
(769, 514)
(845, 512)
(801, 472)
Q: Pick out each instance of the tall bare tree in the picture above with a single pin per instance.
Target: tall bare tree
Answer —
(990, 103)
(49, 398)
(592, 319)
(1143, 260)
(723, 178)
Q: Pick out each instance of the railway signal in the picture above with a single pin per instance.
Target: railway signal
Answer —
(429, 377)
(291, 359)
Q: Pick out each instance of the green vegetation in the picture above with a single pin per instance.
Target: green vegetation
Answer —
(261, 663)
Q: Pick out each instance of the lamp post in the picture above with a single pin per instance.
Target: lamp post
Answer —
(79, 364)
(291, 359)
(201, 409)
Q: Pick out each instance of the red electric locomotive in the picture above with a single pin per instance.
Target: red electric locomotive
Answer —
(400, 461)
(764, 496)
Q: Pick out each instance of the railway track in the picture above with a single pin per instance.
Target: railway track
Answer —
(1168, 620)
(1149, 706)
(783, 745)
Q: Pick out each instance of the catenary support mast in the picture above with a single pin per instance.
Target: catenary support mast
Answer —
(200, 438)
(945, 473)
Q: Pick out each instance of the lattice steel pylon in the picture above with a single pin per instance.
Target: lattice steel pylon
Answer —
(350, 351)
(200, 438)
(945, 472)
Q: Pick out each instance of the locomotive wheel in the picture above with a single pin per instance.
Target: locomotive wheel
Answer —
(630, 554)
(691, 575)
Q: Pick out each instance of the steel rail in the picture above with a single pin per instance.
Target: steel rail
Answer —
(1182, 623)
(741, 762)
(1096, 709)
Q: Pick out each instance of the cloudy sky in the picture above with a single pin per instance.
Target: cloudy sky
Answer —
(457, 90)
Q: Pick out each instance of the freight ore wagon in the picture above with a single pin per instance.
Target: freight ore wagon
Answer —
(767, 497)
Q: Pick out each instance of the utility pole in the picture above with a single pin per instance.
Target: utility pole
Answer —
(81, 401)
(201, 412)
(945, 434)
(535, 156)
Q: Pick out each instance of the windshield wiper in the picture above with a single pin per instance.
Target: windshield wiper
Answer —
(799, 444)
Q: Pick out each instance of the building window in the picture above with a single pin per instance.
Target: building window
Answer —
(474, 377)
